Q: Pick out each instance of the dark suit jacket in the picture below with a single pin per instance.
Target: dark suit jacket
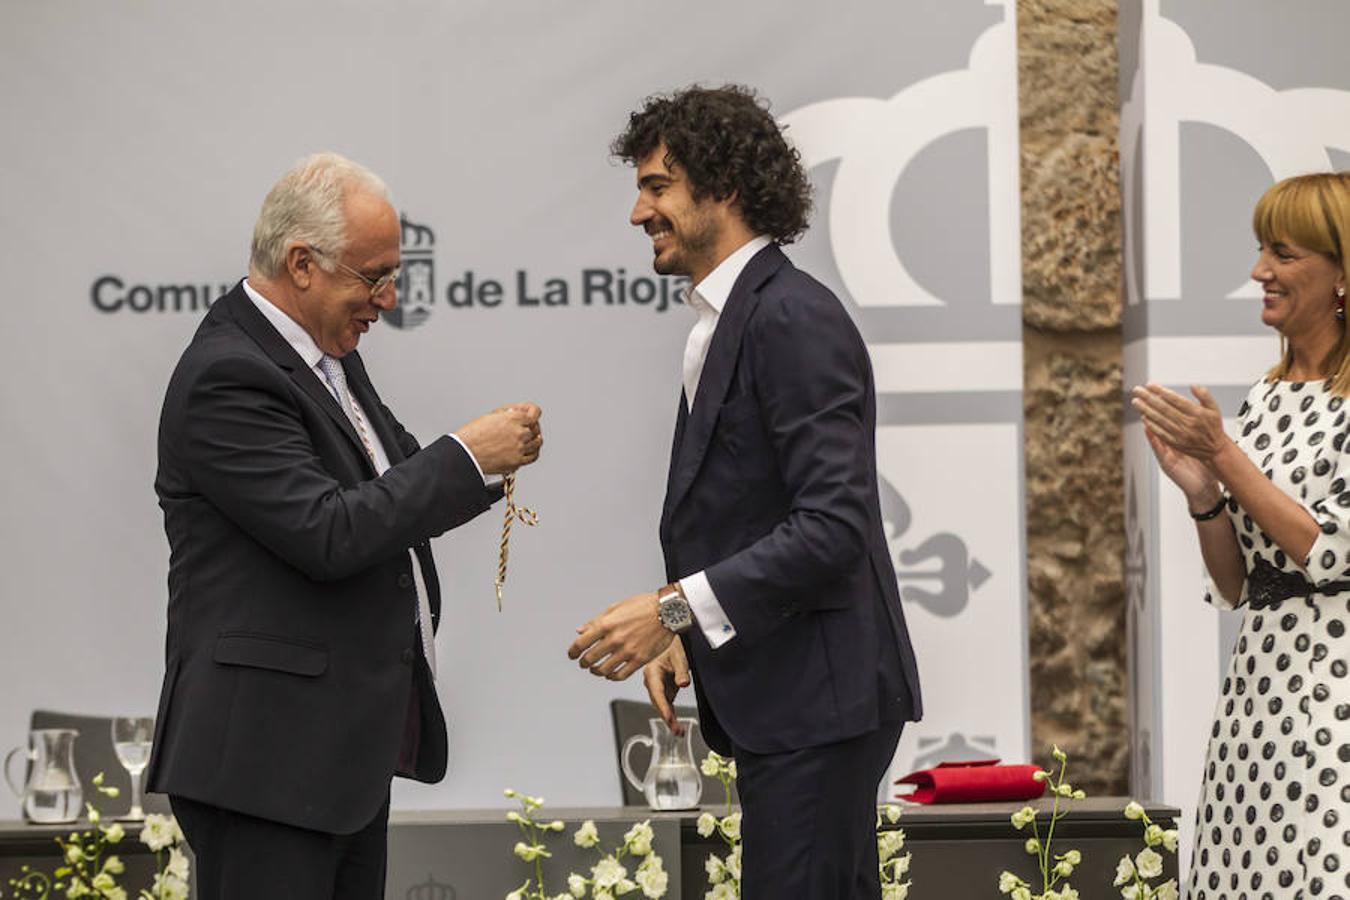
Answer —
(773, 491)
(293, 667)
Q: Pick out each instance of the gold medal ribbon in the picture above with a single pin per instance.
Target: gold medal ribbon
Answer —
(526, 516)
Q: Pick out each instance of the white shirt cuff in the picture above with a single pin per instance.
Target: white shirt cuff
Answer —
(473, 460)
(708, 613)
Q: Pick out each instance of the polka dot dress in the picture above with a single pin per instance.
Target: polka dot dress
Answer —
(1274, 814)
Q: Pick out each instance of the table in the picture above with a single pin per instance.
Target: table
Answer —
(958, 850)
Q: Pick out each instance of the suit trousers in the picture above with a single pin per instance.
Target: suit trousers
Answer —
(240, 857)
(809, 824)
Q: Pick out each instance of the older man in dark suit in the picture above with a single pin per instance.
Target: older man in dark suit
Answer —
(300, 671)
(780, 584)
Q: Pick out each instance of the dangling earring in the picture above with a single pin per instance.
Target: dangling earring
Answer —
(1340, 304)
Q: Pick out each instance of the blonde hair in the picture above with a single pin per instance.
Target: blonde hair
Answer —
(1312, 211)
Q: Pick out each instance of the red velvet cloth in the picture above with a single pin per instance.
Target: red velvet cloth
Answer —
(973, 781)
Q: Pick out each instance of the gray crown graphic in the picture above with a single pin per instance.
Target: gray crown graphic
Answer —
(431, 889)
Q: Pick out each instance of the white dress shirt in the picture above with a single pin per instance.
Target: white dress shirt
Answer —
(706, 299)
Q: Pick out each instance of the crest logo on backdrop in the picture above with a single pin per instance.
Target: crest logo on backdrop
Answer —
(416, 277)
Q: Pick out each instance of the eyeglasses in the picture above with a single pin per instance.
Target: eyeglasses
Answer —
(376, 285)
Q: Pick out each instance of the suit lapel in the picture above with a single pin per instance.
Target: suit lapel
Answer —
(255, 324)
(718, 368)
(681, 419)
(364, 391)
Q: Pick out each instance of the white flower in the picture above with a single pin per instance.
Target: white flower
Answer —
(716, 869)
(730, 769)
(723, 891)
(707, 824)
(1167, 890)
(1073, 858)
(1068, 893)
(178, 864)
(1153, 835)
(895, 891)
(1124, 871)
(1063, 868)
(711, 765)
(114, 865)
(652, 878)
(1021, 893)
(159, 832)
(1007, 881)
(731, 826)
(889, 843)
(1149, 863)
(531, 852)
(1032, 846)
(1023, 817)
(639, 838)
(587, 836)
(516, 894)
(734, 862)
(576, 884)
(625, 886)
(1130, 892)
(1170, 840)
(1133, 810)
(608, 872)
(168, 887)
(114, 833)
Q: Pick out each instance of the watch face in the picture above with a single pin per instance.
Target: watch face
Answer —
(674, 613)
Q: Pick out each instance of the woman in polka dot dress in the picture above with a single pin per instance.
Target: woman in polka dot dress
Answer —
(1272, 511)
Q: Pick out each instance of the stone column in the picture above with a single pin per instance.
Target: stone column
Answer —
(1071, 265)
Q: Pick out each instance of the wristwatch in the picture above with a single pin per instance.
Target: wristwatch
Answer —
(673, 609)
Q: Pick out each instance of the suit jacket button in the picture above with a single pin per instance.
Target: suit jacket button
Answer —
(404, 580)
(407, 657)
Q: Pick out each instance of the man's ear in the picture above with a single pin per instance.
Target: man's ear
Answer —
(300, 264)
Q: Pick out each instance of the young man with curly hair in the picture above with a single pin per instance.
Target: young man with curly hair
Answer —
(779, 582)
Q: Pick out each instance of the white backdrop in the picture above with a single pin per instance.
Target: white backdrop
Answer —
(141, 138)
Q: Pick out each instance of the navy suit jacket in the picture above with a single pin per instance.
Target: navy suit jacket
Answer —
(294, 679)
(773, 492)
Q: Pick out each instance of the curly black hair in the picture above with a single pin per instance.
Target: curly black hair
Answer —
(727, 143)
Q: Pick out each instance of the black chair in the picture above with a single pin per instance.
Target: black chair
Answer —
(93, 754)
(631, 717)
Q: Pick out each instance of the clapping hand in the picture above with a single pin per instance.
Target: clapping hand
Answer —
(1185, 435)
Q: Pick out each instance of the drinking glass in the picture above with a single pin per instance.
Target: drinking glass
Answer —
(132, 737)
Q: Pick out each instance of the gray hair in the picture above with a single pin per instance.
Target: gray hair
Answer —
(306, 205)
